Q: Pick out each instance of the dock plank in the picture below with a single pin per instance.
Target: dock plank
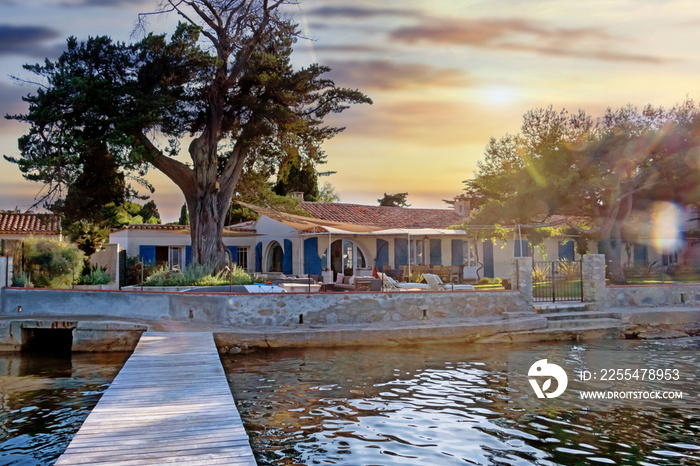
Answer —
(170, 404)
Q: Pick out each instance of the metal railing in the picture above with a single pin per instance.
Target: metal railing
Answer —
(554, 281)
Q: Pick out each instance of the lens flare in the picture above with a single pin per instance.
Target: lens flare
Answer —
(666, 222)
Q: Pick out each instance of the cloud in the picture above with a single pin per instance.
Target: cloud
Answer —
(520, 35)
(421, 123)
(390, 75)
(353, 12)
(26, 40)
(11, 103)
(351, 48)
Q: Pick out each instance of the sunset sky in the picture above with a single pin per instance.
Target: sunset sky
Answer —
(445, 76)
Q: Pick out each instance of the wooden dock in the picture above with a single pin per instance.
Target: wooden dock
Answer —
(170, 404)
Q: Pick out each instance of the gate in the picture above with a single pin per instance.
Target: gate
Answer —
(554, 281)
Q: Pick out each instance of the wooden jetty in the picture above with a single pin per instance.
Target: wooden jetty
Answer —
(170, 404)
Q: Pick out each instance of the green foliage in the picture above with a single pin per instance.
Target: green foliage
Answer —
(254, 188)
(394, 200)
(570, 270)
(596, 170)
(184, 216)
(297, 175)
(88, 236)
(96, 276)
(130, 213)
(327, 193)
(52, 264)
(199, 275)
(490, 281)
(133, 270)
(540, 274)
(224, 81)
(21, 279)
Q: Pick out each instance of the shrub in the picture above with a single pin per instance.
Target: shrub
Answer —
(52, 264)
(96, 276)
(21, 279)
(540, 274)
(570, 270)
(490, 281)
(198, 275)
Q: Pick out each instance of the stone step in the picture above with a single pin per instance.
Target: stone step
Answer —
(580, 315)
(546, 308)
(570, 324)
(560, 334)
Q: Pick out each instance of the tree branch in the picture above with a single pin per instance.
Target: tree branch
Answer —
(178, 172)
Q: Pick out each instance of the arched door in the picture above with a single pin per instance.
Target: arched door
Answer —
(275, 257)
(346, 257)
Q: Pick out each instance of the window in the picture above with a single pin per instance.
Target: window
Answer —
(522, 248)
(469, 254)
(175, 258)
(669, 259)
(242, 259)
(418, 252)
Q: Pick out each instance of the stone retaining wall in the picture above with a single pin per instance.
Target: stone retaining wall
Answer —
(652, 295)
(252, 310)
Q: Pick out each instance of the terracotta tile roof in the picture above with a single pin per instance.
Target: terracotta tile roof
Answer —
(34, 224)
(384, 217)
(245, 226)
(150, 226)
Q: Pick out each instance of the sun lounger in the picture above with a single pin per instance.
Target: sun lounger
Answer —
(436, 284)
(389, 284)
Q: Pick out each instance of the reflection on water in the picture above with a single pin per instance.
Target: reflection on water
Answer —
(441, 404)
(44, 400)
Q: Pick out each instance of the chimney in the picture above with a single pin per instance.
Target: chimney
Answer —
(297, 195)
(463, 206)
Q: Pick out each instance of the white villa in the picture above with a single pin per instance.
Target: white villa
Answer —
(360, 237)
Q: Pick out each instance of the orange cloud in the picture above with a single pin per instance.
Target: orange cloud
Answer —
(520, 35)
(390, 75)
(424, 123)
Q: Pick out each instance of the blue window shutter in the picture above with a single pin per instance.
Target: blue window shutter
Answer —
(457, 252)
(312, 262)
(234, 253)
(488, 258)
(382, 254)
(188, 255)
(287, 266)
(436, 252)
(566, 250)
(400, 252)
(258, 257)
(147, 254)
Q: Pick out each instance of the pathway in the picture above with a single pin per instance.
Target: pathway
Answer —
(170, 404)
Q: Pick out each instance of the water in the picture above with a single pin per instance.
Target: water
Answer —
(442, 405)
(44, 400)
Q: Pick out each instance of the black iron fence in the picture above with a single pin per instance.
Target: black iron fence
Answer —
(554, 281)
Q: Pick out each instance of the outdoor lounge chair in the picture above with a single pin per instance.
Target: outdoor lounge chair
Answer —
(389, 284)
(436, 284)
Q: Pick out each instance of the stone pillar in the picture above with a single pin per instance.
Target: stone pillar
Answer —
(593, 271)
(523, 271)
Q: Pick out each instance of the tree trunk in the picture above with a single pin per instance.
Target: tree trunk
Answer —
(206, 230)
(612, 248)
(207, 205)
